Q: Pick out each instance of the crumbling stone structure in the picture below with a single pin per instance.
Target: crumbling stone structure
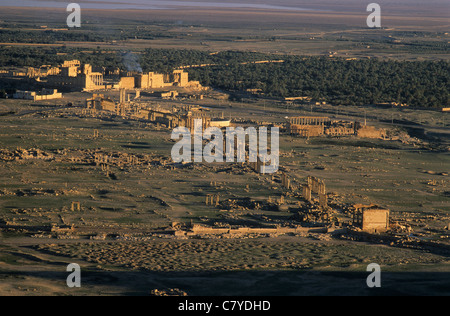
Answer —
(213, 199)
(77, 77)
(308, 120)
(180, 78)
(127, 83)
(371, 132)
(149, 80)
(318, 187)
(307, 126)
(307, 193)
(340, 131)
(258, 166)
(45, 94)
(43, 71)
(323, 200)
(199, 230)
(76, 206)
(99, 102)
(371, 218)
(285, 181)
(152, 80)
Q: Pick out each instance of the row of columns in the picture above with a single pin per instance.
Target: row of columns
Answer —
(97, 79)
(317, 186)
(212, 199)
(306, 120)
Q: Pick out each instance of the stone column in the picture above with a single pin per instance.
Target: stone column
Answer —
(307, 192)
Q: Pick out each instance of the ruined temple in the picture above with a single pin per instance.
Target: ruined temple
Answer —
(371, 218)
(76, 76)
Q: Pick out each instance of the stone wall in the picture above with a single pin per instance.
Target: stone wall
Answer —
(371, 132)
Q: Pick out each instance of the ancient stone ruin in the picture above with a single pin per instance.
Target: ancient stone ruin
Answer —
(371, 218)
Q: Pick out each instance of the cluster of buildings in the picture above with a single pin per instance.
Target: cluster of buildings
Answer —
(76, 76)
(367, 218)
(73, 75)
(371, 218)
(310, 126)
(183, 117)
(152, 80)
(44, 94)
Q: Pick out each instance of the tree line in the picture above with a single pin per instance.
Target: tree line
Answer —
(338, 81)
(334, 80)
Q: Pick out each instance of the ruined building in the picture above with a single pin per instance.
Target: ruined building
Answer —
(310, 126)
(73, 75)
(126, 83)
(43, 71)
(173, 120)
(370, 132)
(307, 126)
(45, 94)
(99, 102)
(371, 218)
(77, 77)
(179, 78)
(170, 119)
(150, 80)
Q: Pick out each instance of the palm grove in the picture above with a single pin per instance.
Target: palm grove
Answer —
(335, 80)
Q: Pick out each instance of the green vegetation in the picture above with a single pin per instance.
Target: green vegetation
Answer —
(87, 34)
(47, 37)
(37, 56)
(338, 81)
(335, 80)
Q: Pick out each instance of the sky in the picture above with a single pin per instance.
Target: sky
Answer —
(148, 4)
(397, 7)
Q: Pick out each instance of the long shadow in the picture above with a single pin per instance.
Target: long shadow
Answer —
(253, 283)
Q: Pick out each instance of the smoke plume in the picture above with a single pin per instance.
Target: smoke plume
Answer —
(131, 62)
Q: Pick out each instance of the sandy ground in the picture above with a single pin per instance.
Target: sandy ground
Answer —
(221, 268)
(356, 170)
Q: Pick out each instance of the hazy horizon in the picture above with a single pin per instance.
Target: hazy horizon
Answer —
(149, 4)
(395, 6)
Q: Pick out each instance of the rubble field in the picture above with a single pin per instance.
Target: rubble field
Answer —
(103, 191)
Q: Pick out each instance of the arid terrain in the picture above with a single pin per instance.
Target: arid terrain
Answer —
(99, 187)
(323, 27)
(128, 214)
